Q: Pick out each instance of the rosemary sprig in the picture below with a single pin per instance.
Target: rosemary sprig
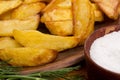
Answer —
(5, 67)
(8, 72)
(20, 77)
(55, 73)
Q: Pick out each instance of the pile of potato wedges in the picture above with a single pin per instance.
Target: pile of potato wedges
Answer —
(69, 22)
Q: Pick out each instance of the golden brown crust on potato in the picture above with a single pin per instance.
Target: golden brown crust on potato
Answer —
(27, 56)
(38, 39)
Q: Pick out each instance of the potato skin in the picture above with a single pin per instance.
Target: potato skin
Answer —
(34, 38)
(27, 56)
(57, 16)
(109, 7)
(58, 28)
(7, 26)
(99, 16)
(8, 42)
(83, 19)
(27, 10)
(6, 5)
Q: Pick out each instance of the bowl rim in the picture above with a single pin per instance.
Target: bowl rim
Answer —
(87, 53)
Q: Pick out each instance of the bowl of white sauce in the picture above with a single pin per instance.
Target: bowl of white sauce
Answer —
(102, 54)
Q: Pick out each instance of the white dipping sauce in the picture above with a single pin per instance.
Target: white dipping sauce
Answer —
(105, 51)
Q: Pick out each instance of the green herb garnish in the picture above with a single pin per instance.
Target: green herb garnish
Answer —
(8, 72)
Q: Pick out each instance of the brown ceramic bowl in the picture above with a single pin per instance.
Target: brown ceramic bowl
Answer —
(96, 72)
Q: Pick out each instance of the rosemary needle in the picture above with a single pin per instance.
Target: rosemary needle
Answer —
(20, 77)
(8, 72)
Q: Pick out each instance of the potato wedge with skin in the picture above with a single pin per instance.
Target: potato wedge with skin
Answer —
(61, 28)
(83, 13)
(109, 7)
(90, 28)
(99, 16)
(27, 56)
(30, 1)
(7, 26)
(27, 10)
(58, 11)
(6, 15)
(6, 5)
(57, 14)
(20, 13)
(8, 42)
(57, 3)
(119, 8)
(34, 38)
(47, 1)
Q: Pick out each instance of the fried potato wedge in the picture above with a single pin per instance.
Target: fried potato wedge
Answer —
(47, 1)
(7, 26)
(27, 10)
(90, 27)
(34, 38)
(61, 28)
(57, 17)
(27, 56)
(6, 15)
(58, 3)
(30, 1)
(99, 16)
(57, 10)
(8, 42)
(57, 14)
(119, 9)
(83, 19)
(6, 5)
(109, 7)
